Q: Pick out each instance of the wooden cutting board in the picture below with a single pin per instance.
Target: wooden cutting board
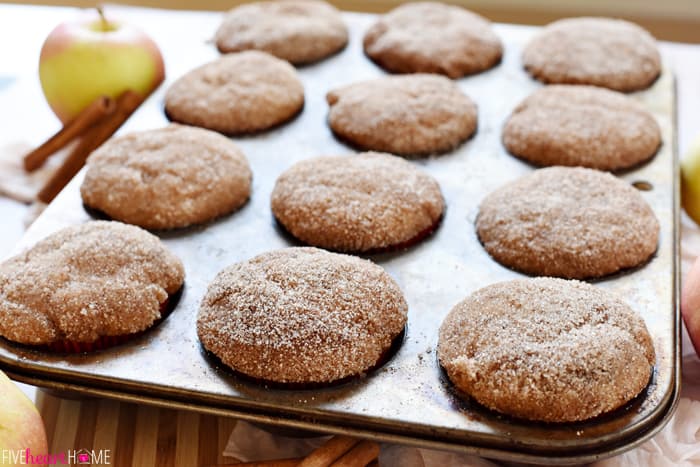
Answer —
(135, 435)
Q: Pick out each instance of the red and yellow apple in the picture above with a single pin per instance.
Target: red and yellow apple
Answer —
(690, 181)
(21, 427)
(690, 304)
(85, 59)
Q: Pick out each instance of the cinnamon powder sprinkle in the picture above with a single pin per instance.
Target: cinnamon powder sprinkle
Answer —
(301, 315)
(546, 349)
(605, 52)
(575, 125)
(408, 115)
(567, 222)
(167, 178)
(87, 281)
(358, 203)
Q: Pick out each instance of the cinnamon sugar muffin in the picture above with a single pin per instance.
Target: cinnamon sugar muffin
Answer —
(408, 115)
(360, 203)
(605, 52)
(167, 178)
(87, 287)
(546, 349)
(299, 31)
(568, 222)
(583, 126)
(431, 37)
(301, 316)
(238, 93)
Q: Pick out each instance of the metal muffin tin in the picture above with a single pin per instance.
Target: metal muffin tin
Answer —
(408, 400)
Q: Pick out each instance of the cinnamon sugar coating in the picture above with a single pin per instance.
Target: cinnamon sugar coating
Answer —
(431, 37)
(408, 115)
(586, 126)
(237, 93)
(301, 315)
(546, 349)
(87, 281)
(567, 222)
(299, 31)
(357, 203)
(167, 178)
(605, 52)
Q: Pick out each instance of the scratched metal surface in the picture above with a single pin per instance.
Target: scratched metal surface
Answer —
(408, 399)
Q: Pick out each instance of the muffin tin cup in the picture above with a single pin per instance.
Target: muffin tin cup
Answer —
(407, 400)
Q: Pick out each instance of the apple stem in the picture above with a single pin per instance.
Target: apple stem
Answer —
(105, 24)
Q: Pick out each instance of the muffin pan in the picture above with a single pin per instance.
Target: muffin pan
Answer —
(408, 400)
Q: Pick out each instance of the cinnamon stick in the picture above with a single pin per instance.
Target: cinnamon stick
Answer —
(359, 456)
(125, 105)
(294, 462)
(96, 111)
(337, 451)
(331, 450)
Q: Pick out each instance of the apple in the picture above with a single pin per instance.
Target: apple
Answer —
(690, 181)
(21, 427)
(690, 304)
(92, 57)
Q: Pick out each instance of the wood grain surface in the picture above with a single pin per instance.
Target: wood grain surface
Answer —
(135, 435)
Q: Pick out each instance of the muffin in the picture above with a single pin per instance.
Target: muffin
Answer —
(407, 115)
(301, 317)
(239, 93)
(546, 349)
(88, 287)
(581, 126)
(574, 223)
(431, 37)
(299, 31)
(606, 52)
(363, 203)
(167, 178)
